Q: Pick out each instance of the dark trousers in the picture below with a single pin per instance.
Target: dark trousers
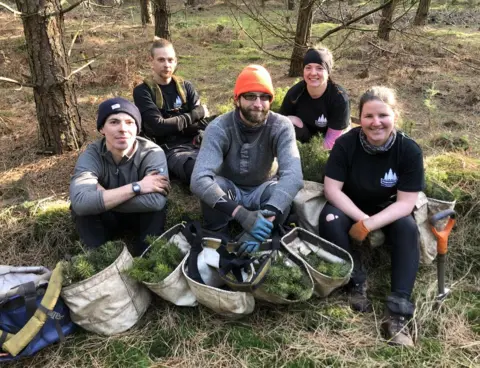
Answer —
(95, 230)
(401, 235)
(217, 221)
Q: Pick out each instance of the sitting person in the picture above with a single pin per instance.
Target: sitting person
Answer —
(317, 105)
(232, 176)
(120, 181)
(171, 111)
(372, 180)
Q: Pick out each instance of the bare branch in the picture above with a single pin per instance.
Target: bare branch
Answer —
(388, 51)
(13, 81)
(354, 20)
(71, 7)
(255, 42)
(16, 12)
(79, 69)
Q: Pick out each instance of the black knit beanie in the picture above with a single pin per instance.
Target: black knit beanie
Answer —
(116, 105)
(319, 56)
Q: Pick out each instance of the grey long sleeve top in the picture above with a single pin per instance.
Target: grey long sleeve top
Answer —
(223, 153)
(96, 166)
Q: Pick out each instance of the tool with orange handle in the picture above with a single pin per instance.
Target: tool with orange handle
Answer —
(442, 248)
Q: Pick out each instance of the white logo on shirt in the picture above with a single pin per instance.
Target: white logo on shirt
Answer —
(389, 180)
(321, 121)
(178, 103)
(116, 106)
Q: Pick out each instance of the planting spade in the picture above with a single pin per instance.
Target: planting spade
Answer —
(442, 247)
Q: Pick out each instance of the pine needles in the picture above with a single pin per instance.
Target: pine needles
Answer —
(314, 159)
(287, 282)
(331, 269)
(84, 266)
(160, 261)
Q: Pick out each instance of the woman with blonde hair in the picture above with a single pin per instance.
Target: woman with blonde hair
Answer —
(372, 180)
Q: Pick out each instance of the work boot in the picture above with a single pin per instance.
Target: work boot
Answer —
(358, 297)
(395, 329)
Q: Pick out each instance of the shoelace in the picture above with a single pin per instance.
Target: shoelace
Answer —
(399, 325)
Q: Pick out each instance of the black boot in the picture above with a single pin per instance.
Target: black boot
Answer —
(398, 312)
(357, 297)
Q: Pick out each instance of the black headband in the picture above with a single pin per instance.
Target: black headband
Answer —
(322, 57)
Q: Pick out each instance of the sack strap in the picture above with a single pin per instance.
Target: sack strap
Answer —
(29, 292)
(193, 234)
(55, 316)
(260, 274)
(157, 92)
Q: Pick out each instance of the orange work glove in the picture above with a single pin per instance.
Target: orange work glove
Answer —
(358, 231)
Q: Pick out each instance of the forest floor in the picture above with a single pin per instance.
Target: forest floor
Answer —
(435, 72)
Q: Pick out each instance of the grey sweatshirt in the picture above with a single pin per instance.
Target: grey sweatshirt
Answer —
(96, 165)
(223, 153)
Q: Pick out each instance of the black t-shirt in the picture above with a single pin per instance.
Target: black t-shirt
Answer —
(331, 110)
(370, 181)
(173, 123)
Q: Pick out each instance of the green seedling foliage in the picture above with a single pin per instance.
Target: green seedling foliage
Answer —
(160, 261)
(88, 264)
(287, 282)
(331, 269)
(314, 159)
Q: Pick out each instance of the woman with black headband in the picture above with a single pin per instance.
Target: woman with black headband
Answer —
(317, 105)
(372, 180)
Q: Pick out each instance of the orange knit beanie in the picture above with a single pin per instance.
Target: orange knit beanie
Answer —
(253, 78)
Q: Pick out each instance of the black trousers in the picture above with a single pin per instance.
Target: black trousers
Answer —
(402, 235)
(95, 230)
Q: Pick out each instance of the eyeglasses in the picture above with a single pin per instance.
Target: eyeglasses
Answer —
(253, 97)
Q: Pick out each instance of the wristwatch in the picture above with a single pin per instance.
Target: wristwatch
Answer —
(136, 188)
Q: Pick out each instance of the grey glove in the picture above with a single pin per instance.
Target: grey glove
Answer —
(254, 223)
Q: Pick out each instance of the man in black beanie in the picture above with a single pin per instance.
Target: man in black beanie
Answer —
(120, 182)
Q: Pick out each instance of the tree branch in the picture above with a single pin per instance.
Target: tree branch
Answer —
(71, 7)
(16, 12)
(79, 69)
(255, 42)
(13, 81)
(339, 28)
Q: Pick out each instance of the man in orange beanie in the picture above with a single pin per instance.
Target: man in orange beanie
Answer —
(233, 173)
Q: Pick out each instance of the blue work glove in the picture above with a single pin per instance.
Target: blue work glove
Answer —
(254, 223)
(248, 247)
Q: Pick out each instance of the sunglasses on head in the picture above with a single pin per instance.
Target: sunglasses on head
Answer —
(254, 96)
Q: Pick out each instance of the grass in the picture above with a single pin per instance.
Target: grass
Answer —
(316, 333)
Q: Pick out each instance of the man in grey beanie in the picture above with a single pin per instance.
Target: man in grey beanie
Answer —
(120, 182)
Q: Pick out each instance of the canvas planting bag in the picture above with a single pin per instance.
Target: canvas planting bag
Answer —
(424, 209)
(174, 288)
(109, 302)
(206, 284)
(308, 204)
(301, 243)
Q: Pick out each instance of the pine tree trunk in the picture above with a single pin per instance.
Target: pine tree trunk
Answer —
(385, 25)
(161, 19)
(302, 37)
(56, 103)
(422, 12)
(146, 12)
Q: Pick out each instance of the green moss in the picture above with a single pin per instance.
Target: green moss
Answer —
(287, 282)
(335, 270)
(314, 159)
(160, 261)
(451, 176)
(88, 264)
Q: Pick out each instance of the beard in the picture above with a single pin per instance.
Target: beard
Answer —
(254, 117)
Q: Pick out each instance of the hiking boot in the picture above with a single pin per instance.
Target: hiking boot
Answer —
(395, 329)
(358, 298)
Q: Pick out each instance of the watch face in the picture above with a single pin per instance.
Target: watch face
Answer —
(136, 188)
